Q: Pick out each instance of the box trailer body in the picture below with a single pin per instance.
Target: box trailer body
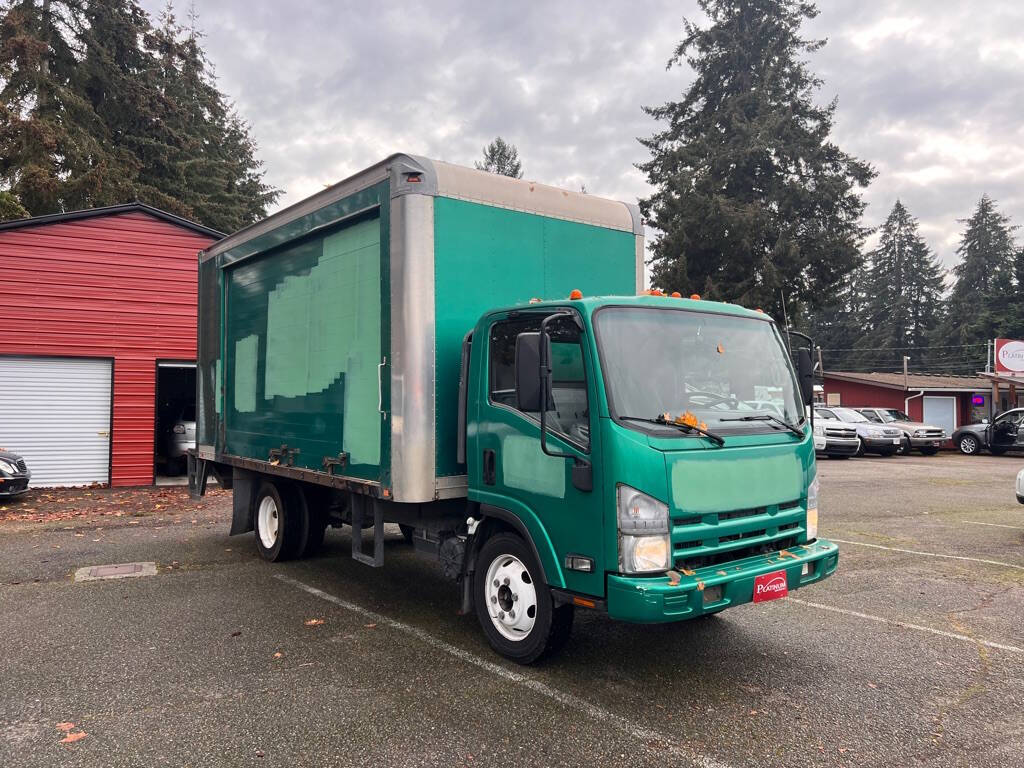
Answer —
(467, 355)
(342, 318)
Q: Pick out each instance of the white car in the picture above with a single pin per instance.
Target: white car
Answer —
(1020, 486)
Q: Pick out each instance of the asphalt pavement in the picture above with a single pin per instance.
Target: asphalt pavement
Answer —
(912, 654)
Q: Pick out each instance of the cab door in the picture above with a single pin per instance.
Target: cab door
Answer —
(516, 475)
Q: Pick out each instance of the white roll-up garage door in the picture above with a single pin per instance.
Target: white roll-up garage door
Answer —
(55, 412)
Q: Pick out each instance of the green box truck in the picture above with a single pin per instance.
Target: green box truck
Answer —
(467, 355)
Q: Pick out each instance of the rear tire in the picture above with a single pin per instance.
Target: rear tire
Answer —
(277, 516)
(515, 608)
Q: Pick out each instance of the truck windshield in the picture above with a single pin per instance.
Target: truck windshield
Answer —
(714, 369)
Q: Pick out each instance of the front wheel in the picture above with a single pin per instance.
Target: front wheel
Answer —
(513, 605)
(904, 446)
(968, 445)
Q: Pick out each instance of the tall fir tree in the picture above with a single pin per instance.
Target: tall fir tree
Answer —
(98, 107)
(752, 199)
(980, 306)
(502, 158)
(904, 287)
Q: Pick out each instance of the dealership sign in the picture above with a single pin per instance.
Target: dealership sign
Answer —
(1010, 357)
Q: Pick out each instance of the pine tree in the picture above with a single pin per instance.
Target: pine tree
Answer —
(837, 325)
(980, 305)
(904, 287)
(502, 158)
(752, 199)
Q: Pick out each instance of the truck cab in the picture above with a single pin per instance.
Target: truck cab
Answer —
(676, 475)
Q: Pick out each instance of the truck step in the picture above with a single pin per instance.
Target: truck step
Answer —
(362, 507)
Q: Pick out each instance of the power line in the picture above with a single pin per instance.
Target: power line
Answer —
(896, 349)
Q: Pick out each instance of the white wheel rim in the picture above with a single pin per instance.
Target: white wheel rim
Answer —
(267, 522)
(511, 597)
(968, 445)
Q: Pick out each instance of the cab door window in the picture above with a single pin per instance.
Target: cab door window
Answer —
(568, 414)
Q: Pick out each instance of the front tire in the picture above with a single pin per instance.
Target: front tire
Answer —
(968, 445)
(514, 607)
(904, 446)
(277, 520)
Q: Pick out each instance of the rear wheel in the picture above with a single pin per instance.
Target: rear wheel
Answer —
(968, 445)
(278, 522)
(513, 605)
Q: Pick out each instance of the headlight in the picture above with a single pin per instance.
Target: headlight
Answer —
(874, 432)
(7, 468)
(812, 509)
(819, 428)
(919, 433)
(643, 532)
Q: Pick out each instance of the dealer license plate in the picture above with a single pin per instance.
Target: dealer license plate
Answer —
(770, 586)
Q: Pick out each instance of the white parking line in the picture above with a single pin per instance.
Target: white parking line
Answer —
(928, 554)
(645, 735)
(995, 525)
(908, 625)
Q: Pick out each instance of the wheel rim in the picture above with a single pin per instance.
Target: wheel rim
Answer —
(267, 522)
(968, 445)
(511, 597)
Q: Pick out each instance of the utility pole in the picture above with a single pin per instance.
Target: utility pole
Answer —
(906, 375)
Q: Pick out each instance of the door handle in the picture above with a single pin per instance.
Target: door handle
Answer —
(104, 434)
(489, 471)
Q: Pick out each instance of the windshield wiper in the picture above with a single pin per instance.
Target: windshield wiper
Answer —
(769, 417)
(716, 439)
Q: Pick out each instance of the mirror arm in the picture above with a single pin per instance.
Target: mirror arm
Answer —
(545, 377)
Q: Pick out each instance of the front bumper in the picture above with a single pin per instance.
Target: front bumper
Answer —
(927, 442)
(837, 446)
(653, 600)
(874, 444)
(14, 486)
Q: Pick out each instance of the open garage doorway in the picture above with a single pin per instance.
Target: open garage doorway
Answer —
(175, 419)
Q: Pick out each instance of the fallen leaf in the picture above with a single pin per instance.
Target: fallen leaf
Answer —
(700, 585)
(65, 726)
(369, 626)
(314, 622)
(71, 738)
(787, 553)
(688, 572)
(278, 655)
(236, 633)
(673, 578)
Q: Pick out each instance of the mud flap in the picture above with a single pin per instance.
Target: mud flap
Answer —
(244, 484)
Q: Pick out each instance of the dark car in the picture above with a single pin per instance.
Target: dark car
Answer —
(1003, 434)
(14, 475)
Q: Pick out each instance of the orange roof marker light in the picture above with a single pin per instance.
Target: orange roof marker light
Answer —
(676, 295)
(695, 296)
(576, 293)
(759, 310)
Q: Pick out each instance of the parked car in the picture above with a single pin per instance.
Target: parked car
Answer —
(874, 438)
(14, 474)
(1003, 434)
(916, 436)
(1020, 486)
(834, 439)
(180, 438)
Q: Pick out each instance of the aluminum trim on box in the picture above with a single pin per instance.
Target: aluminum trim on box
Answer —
(413, 432)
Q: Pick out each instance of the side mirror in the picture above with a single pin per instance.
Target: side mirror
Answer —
(805, 374)
(528, 372)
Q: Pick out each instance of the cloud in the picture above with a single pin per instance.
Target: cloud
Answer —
(929, 91)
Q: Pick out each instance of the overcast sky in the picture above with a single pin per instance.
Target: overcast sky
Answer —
(930, 91)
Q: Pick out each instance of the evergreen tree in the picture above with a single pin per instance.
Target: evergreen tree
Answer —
(10, 208)
(502, 158)
(904, 289)
(980, 305)
(752, 199)
(837, 325)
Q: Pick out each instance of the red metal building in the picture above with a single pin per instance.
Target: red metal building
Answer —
(943, 401)
(96, 307)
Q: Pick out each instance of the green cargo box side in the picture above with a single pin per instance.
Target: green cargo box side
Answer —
(339, 321)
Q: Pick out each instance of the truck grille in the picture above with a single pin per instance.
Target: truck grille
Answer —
(721, 537)
(934, 434)
(845, 433)
(888, 432)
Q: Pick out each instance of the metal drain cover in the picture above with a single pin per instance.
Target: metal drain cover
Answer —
(115, 571)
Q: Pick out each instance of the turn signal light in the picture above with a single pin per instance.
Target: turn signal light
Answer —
(576, 293)
(583, 603)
